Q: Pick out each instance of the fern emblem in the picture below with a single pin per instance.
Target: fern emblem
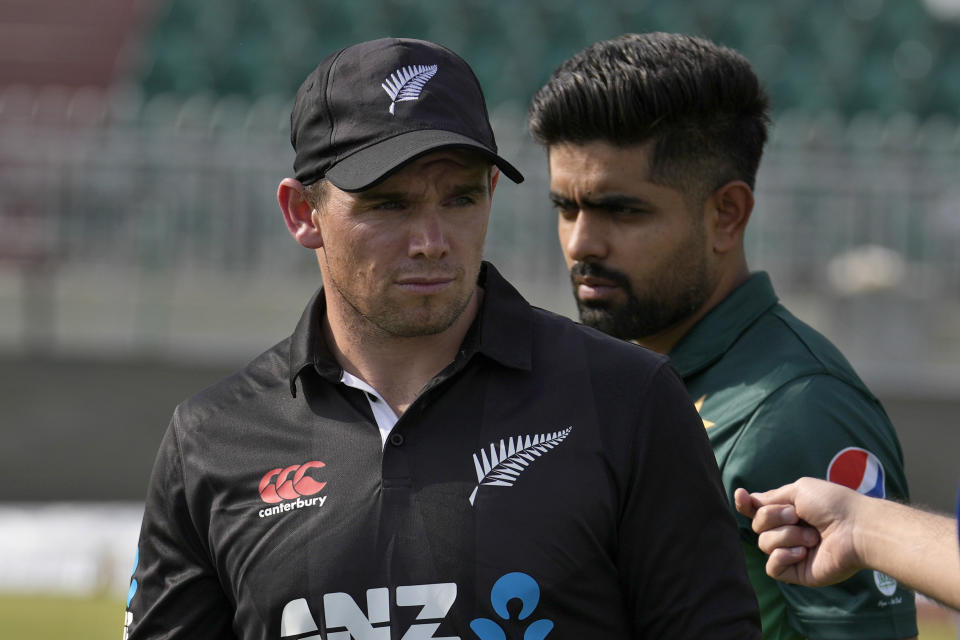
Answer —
(406, 83)
(504, 464)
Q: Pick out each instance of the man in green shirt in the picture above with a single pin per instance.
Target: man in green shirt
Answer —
(653, 144)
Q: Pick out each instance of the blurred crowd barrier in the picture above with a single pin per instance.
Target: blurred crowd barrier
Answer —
(129, 224)
(72, 548)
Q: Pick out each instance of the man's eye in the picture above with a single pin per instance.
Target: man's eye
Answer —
(388, 204)
(462, 201)
(625, 211)
(566, 210)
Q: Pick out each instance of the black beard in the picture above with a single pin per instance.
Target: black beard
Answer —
(669, 302)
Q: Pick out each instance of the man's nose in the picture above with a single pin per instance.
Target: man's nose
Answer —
(428, 237)
(584, 237)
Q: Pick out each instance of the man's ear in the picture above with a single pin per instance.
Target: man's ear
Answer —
(730, 207)
(302, 221)
(494, 178)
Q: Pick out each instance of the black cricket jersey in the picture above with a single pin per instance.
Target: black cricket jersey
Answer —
(551, 482)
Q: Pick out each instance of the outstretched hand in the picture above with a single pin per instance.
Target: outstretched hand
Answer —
(807, 528)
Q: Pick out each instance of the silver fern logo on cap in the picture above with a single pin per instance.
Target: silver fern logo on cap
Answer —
(503, 467)
(406, 83)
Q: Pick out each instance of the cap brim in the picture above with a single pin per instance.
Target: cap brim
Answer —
(367, 167)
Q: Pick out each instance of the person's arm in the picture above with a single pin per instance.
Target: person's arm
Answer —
(819, 533)
(175, 592)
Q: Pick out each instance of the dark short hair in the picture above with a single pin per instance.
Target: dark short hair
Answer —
(700, 103)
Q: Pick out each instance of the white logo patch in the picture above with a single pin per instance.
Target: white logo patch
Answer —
(503, 466)
(340, 611)
(406, 83)
(885, 584)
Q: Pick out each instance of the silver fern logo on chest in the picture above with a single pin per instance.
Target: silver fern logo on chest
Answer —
(406, 83)
(511, 458)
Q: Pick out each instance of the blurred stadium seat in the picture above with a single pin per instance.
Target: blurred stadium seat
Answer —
(838, 54)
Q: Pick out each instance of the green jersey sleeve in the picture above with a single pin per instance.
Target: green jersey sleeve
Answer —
(824, 427)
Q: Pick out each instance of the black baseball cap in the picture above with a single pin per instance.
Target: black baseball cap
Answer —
(369, 109)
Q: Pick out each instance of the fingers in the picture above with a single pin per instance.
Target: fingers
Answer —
(784, 495)
(783, 564)
(773, 516)
(787, 537)
(752, 504)
(744, 503)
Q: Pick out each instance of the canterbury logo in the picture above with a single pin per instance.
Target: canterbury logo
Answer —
(514, 455)
(289, 483)
(406, 83)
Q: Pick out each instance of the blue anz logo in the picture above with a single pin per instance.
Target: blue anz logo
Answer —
(133, 581)
(128, 619)
(511, 586)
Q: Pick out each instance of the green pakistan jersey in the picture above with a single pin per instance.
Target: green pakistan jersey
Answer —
(779, 402)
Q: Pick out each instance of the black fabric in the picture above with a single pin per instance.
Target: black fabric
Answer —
(601, 507)
(347, 127)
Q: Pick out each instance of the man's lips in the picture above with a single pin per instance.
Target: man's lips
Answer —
(594, 288)
(424, 284)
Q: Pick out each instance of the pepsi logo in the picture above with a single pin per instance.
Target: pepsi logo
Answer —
(290, 483)
(859, 470)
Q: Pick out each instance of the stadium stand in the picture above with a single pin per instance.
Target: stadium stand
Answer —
(73, 44)
(851, 55)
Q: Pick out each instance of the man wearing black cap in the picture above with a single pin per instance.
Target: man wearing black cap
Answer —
(427, 456)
